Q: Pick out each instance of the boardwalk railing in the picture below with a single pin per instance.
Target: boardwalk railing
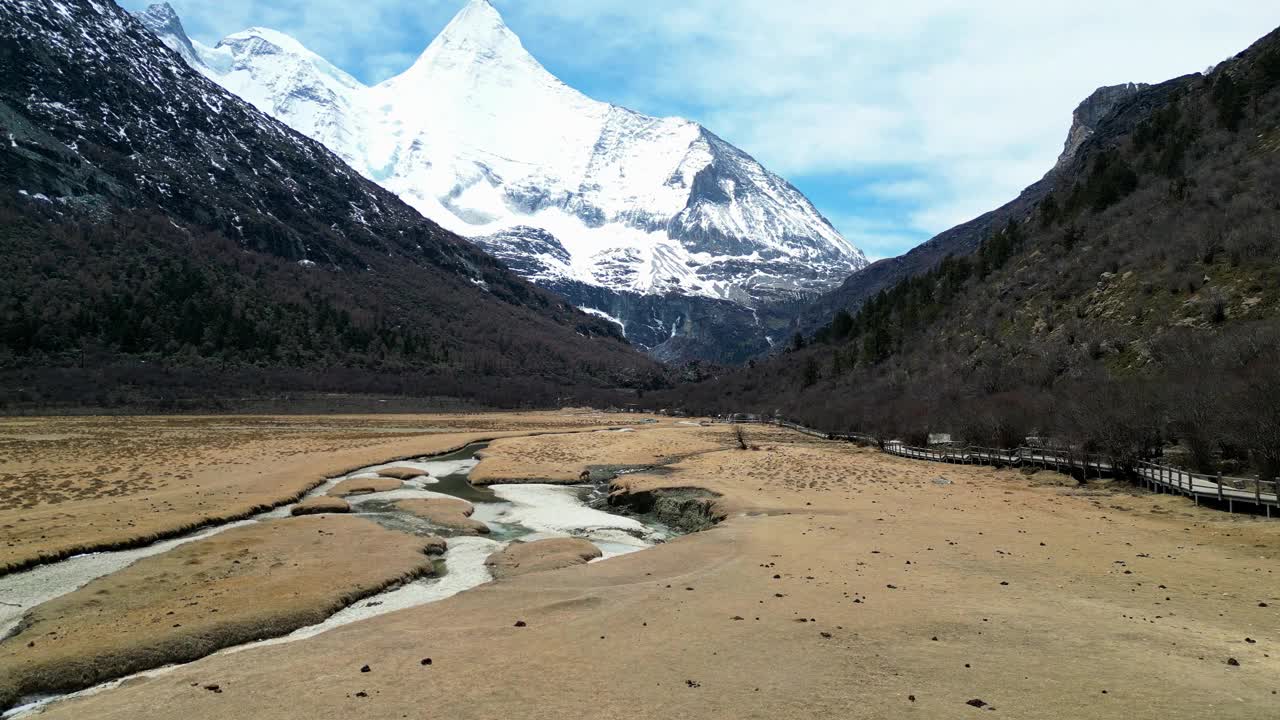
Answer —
(1159, 478)
(1264, 495)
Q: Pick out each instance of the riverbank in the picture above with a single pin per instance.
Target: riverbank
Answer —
(842, 583)
(75, 485)
(100, 617)
(261, 580)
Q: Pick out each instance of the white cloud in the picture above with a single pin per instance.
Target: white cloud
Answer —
(973, 99)
(914, 189)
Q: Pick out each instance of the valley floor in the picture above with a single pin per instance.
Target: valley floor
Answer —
(842, 582)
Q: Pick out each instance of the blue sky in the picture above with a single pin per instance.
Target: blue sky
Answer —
(898, 118)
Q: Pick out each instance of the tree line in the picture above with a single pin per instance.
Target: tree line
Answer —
(1135, 311)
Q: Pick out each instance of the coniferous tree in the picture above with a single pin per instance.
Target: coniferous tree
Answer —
(1230, 99)
(810, 376)
(841, 325)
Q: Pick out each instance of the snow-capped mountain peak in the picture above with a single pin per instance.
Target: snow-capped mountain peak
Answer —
(480, 137)
(476, 34)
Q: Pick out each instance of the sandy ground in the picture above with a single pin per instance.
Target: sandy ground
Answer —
(843, 583)
(261, 580)
(71, 485)
(522, 558)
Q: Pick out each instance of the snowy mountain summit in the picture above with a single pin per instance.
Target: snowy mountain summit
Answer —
(600, 203)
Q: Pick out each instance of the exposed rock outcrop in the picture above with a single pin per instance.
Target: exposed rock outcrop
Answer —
(1090, 113)
(686, 509)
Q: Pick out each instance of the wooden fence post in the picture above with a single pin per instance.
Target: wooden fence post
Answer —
(1219, 486)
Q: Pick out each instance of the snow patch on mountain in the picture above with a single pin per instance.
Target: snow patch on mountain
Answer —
(606, 316)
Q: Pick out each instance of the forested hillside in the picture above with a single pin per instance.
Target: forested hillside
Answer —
(1137, 304)
(164, 239)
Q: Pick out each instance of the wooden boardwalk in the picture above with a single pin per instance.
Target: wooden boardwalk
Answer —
(1159, 478)
(1220, 491)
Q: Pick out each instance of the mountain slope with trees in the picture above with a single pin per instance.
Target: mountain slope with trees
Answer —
(164, 238)
(1135, 305)
(1110, 110)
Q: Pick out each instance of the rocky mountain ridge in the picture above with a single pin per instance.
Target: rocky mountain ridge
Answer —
(155, 220)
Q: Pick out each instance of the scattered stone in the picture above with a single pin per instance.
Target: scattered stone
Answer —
(521, 623)
(693, 683)
(1233, 662)
(977, 702)
(426, 661)
(364, 668)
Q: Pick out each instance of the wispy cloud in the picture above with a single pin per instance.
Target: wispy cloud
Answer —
(905, 116)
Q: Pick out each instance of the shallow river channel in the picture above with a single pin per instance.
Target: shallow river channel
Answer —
(523, 512)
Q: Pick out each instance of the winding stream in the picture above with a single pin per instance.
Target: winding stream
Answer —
(525, 512)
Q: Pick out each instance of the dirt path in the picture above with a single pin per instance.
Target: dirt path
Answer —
(844, 583)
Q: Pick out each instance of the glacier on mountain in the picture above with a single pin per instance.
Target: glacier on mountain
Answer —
(570, 191)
